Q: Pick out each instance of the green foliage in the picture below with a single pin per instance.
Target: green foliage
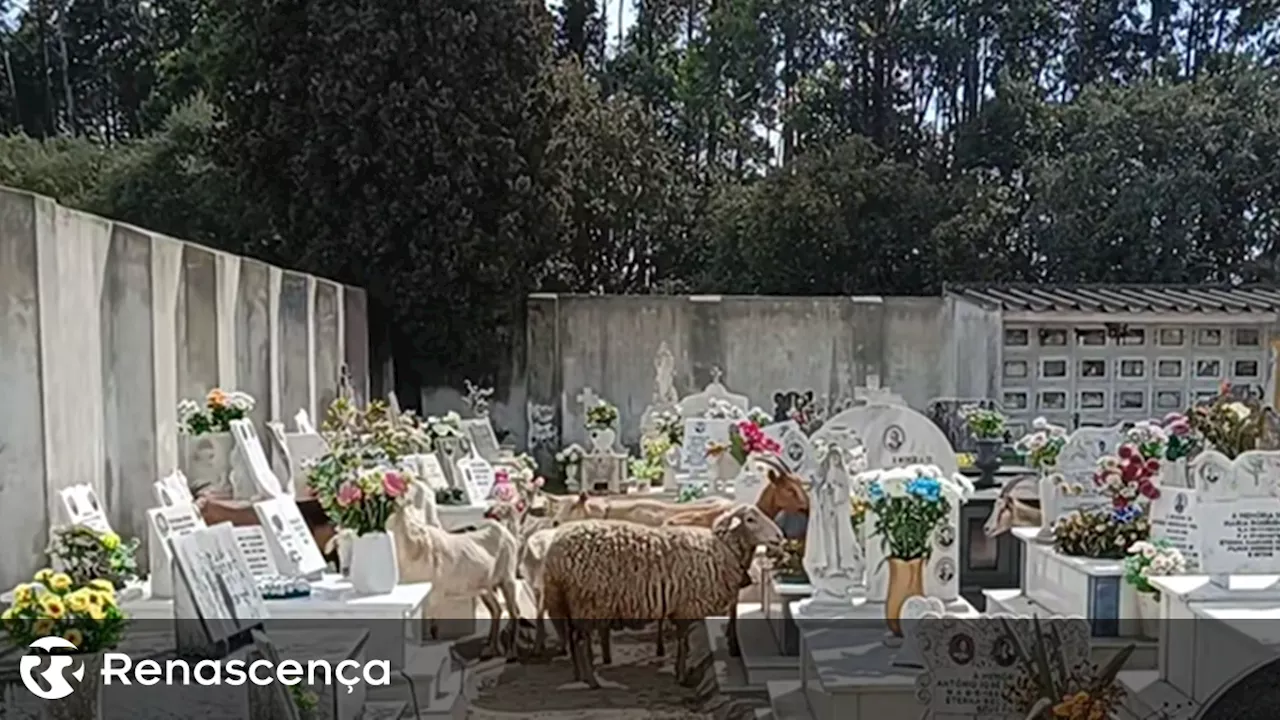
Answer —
(905, 525)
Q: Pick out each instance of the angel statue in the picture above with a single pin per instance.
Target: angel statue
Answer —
(832, 557)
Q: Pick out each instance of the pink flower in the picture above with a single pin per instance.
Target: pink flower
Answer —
(501, 476)
(504, 492)
(1180, 427)
(349, 494)
(394, 484)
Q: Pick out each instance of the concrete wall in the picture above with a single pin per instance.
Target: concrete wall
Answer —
(105, 327)
(921, 347)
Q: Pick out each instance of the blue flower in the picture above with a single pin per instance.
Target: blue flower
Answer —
(1126, 514)
(927, 489)
(875, 491)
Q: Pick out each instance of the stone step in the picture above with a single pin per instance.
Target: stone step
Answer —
(787, 701)
(1147, 697)
(761, 657)
(1013, 602)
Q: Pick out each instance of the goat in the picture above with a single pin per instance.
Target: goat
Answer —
(1010, 512)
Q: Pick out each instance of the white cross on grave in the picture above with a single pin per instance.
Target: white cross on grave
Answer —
(716, 374)
(587, 399)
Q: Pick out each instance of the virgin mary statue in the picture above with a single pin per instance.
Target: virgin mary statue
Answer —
(832, 557)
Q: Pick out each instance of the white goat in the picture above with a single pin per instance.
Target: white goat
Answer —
(1010, 512)
(473, 563)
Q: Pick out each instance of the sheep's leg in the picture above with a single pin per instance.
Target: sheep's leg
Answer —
(662, 647)
(606, 643)
(508, 589)
(565, 631)
(495, 619)
(682, 649)
(584, 661)
(540, 634)
(731, 631)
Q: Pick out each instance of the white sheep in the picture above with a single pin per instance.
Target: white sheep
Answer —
(596, 571)
(473, 563)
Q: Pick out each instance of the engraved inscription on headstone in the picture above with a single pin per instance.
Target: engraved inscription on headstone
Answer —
(221, 587)
(1173, 518)
(478, 479)
(253, 543)
(1238, 512)
(296, 552)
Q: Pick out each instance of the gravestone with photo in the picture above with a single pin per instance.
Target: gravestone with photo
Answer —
(897, 436)
(797, 451)
(1174, 517)
(972, 664)
(216, 601)
(164, 523)
(699, 432)
(83, 508)
(1073, 489)
(915, 609)
(251, 452)
(172, 489)
(295, 550)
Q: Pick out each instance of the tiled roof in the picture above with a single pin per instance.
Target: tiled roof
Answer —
(1120, 298)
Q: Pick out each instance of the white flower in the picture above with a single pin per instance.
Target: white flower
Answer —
(1240, 410)
(1040, 423)
(1140, 547)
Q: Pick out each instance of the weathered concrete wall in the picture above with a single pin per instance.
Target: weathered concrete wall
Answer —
(105, 327)
(762, 345)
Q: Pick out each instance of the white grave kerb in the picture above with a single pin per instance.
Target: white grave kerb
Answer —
(216, 601)
(833, 558)
(83, 508)
(295, 549)
(164, 523)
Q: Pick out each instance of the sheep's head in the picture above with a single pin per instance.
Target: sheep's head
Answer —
(583, 508)
(751, 525)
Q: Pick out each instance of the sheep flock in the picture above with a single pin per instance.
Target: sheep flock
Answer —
(592, 564)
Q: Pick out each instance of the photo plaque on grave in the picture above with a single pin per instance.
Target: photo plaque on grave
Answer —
(295, 550)
(164, 523)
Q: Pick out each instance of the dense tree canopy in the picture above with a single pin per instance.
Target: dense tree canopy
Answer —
(455, 155)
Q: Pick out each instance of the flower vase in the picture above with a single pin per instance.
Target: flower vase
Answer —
(86, 702)
(906, 579)
(1149, 615)
(573, 477)
(988, 461)
(211, 463)
(373, 563)
(1048, 494)
(725, 469)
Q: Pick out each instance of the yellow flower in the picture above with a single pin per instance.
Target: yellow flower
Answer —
(42, 627)
(60, 582)
(53, 607)
(111, 541)
(44, 576)
(8, 614)
(95, 611)
(22, 595)
(78, 601)
(74, 636)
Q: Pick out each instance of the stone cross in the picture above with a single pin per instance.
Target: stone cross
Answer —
(478, 399)
(587, 399)
(716, 374)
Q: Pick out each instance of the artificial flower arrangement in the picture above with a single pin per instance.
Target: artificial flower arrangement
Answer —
(1048, 688)
(1152, 558)
(910, 504)
(365, 502)
(745, 438)
(215, 416)
(690, 492)
(1128, 480)
(983, 423)
(524, 474)
(1182, 440)
(1042, 445)
(720, 409)
(569, 458)
(86, 554)
(759, 417)
(85, 614)
(442, 427)
(1227, 424)
(602, 416)
(646, 470)
(669, 424)
(374, 434)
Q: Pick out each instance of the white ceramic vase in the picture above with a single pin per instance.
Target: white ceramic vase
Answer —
(373, 563)
(1149, 614)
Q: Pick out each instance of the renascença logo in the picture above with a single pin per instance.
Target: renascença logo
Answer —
(117, 666)
(53, 676)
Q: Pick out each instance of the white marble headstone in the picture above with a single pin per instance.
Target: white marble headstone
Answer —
(295, 549)
(483, 440)
(172, 489)
(833, 557)
(797, 451)
(1238, 512)
(164, 523)
(83, 507)
(293, 452)
(253, 542)
(698, 432)
(941, 570)
(749, 483)
(971, 663)
(255, 458)
(607, 469)
(220, 585)
(1077, 463)
(302, 421)
(696, 405)
(426, 467)
(894, 436)
(916, 608)
(1174, 517)
(478, 479)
